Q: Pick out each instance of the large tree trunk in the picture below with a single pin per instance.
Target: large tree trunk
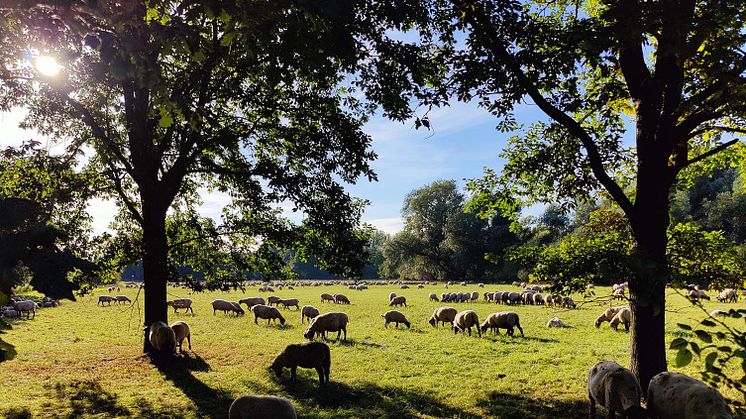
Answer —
(155, 266)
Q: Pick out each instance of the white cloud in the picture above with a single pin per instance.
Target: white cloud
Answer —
(391, 225)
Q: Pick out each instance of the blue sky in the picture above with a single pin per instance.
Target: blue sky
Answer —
(462, 141)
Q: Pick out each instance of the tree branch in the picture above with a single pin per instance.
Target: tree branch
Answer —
(711, 152)
(716, 128)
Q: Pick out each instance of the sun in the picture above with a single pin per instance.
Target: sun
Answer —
(47, 66)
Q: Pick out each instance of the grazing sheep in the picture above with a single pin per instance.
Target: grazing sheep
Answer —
(556, 322)
(624, 316)
(184, 303)
(28, 306)
(105, 299)
(728, 295)
(615, 388)
(266, 312)
(512, 298)
(433, 297)
(618, 294)
(308, 312)
(465, 320)
(474, 295)
(696, 295)
(503, 320)
(251, 301)
(420, 286)
(397, 317)
(392, 295)
(567, 302)
(497, 297)
(226, 306)
(607, 315)
(182, 331)
(262, 407)
(549, 300)
(290, 302)
(327, 322)
(527, 297)
(676, 396)
(488, 296)
(122, 299)
(341, 299)
(398, 301)
(273, 300)
(404, 286)
(327, 297)
(443, 315)
(538, 299)
(305, 355)
(162, 337)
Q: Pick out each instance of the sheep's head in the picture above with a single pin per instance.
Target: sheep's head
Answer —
(277, 365)
(408, 324)
(282, 320)
(308, 334)
(432, 321)
(483, 327)
(598, 321)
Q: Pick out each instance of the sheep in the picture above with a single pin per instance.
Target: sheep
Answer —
(404, 286)
(226, 306)
(341, 299)
(305, 355)
(443, 315)
(527, 297)
(105, 299)
(273, 300)
(266, 312)
(718, 313)
(615, 388)
(556, 322)
(465, 320)
(512, 298)
(624, 316)
(27, 306)
(497, 297)
(676, 396)
(728, 295)
(488, 296)
(549, 300)
(184, 303)
(607, 315)
(398, 301)
(474, 295)
(696, 295)
(420, 286)
(251, 301)
(397, 317)
(618, 294)
(392, 295)
(162, 337)
(538, 299)
(503, 320)
(122, 299)
(262, 407)
(433, 297)
(290, 302)
(327, 322)
(182, 331)
(327, 297)
(567, 302)
(308, 312)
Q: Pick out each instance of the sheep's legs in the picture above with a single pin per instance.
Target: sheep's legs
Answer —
(293, 375)
(592, 412)
(189, 340)
(320, 370)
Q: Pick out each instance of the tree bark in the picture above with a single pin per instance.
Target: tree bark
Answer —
(155, 265)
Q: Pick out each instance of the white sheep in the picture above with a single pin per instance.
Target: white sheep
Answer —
(262, 407)
(443, 315)
(182, 331)
(308, 312)
(503, 320)
(397, 317)
(184, 303)
(252, 301)
(556, 322)
(624, 316)
(162, 337)
(399, 300)
(677, 396)
(28, 306)
(268, 313)
(697, 294)
(607, 315)
(728, 295)
(327, 322)
(226, 306)
(465, 320)
(615, 388)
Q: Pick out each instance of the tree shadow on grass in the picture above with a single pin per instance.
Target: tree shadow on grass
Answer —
(354, 342)
(513, 406)
(83, 398)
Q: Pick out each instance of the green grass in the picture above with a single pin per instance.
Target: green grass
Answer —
(83, 360)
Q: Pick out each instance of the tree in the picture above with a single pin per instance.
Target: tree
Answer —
(675, 66)
(243, 96)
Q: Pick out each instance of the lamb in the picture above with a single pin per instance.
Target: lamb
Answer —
(27, 306)
(567, 302)
(185, 303)
(676, 396)
(391, 296)
(122, 299)
(624, 316)
(290, 302)
(607, 315)
(465, 320)
(503, 320)
(305, 355)
(615, 388)
(443, 315)
(327, 322)
(273, 300)
(182, 331)
(341, 299)
(556, 322)
(327, 297)
(728, 295)
(262, 407)
(226, 306)
(162, 337)
(397, 317)
(398, 301)
(696, 295)
(105, 299)
(251, 301)
(266, 312)
(308, 312)
(433, 297)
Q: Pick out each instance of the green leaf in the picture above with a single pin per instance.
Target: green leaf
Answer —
(677, 343)
(703, 336)
(166, 120)
(684, 326)
(683, 357)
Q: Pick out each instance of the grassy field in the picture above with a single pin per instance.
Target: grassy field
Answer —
(83, 360)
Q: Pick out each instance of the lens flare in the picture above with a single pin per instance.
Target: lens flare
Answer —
(47, 66)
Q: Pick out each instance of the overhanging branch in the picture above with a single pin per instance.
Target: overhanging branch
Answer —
(711, 152)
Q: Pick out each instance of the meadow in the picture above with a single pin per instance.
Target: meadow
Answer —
(84, 360)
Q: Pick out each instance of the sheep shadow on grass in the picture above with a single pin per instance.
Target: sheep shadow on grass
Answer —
(516, 406)
(353, 342)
